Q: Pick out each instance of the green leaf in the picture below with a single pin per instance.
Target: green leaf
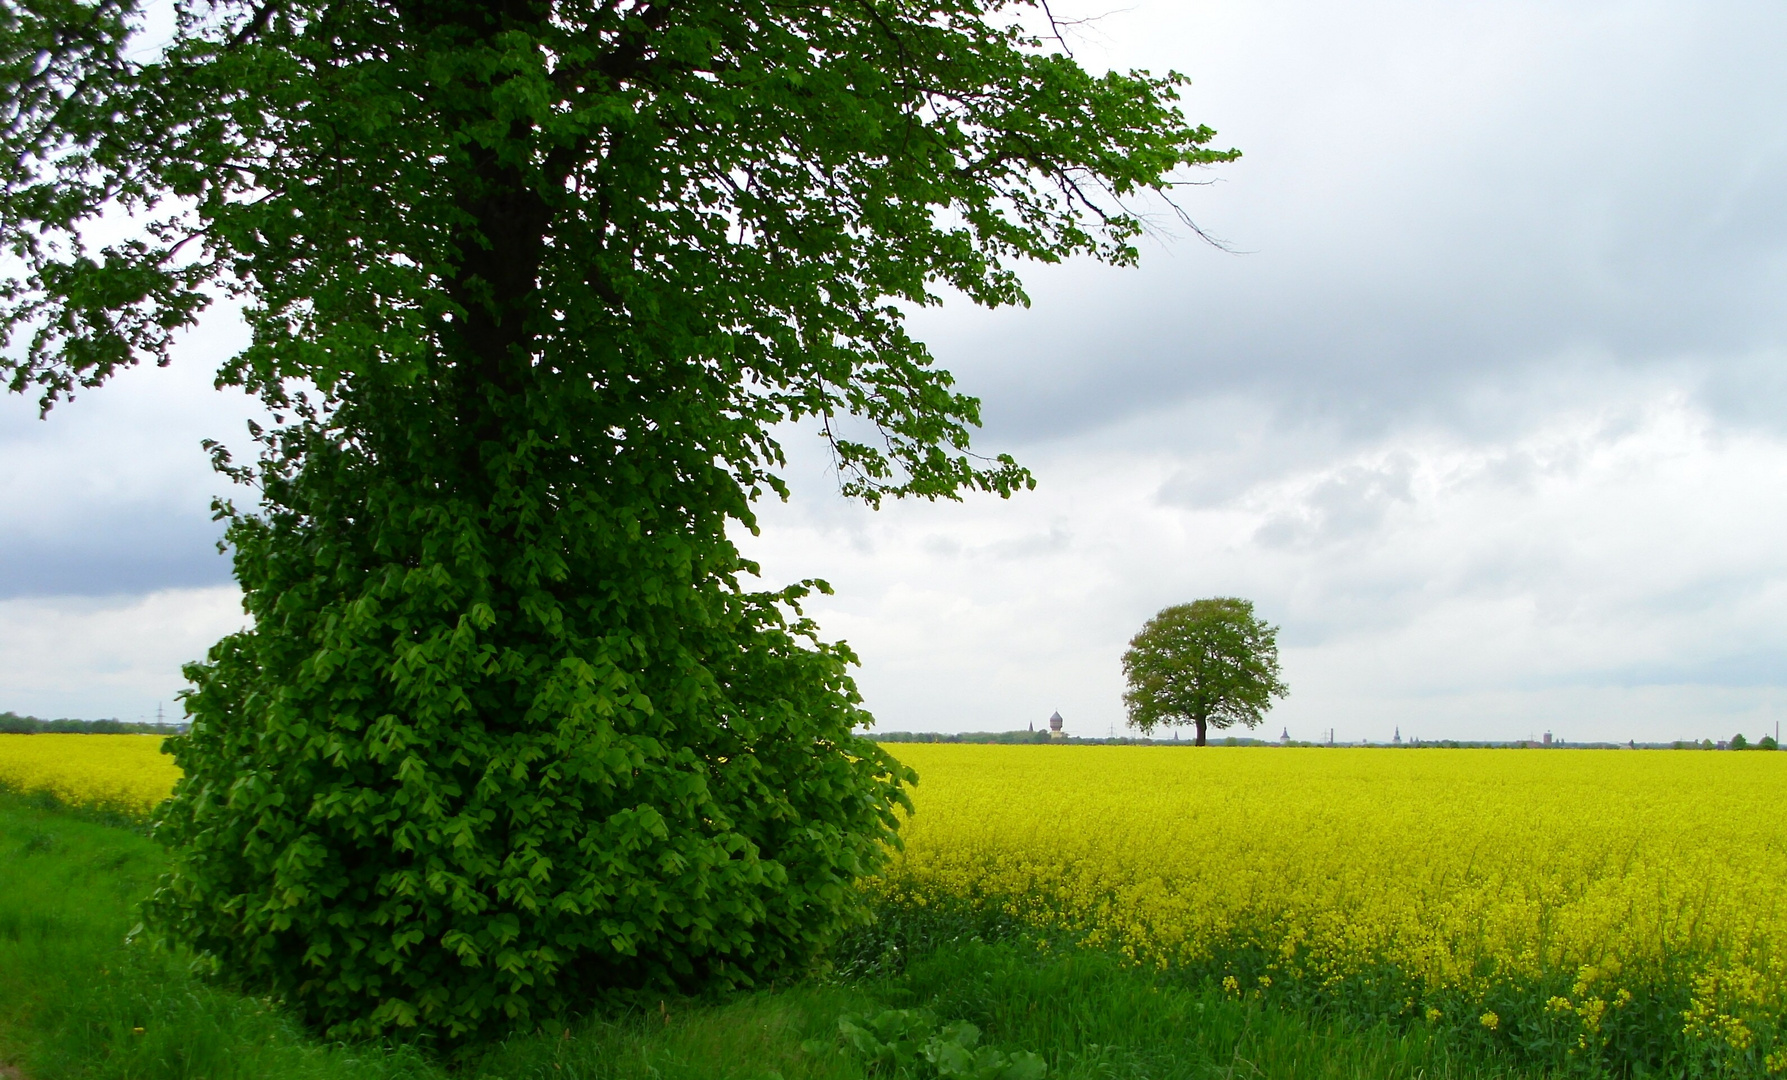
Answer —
(533, 291)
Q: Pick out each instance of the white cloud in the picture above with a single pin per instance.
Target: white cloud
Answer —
(1620, 553)
(1489, 417)
(108, 656)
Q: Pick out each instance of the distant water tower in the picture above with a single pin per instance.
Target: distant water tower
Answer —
(1055, 726)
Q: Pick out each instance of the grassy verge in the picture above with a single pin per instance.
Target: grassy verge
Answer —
(77, 1001)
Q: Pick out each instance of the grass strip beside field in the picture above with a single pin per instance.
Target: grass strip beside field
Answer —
(77, 1001)
(1598, 911)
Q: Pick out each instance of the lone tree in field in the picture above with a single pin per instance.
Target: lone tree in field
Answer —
(531, 286)
(1210, 663)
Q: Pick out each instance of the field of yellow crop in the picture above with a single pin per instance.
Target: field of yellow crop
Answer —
(115, 772)
(1592, 902)
(1595, 898)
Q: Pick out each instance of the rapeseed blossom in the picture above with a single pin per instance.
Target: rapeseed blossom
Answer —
(1564, 879)
(1551, 893)
(128, 773)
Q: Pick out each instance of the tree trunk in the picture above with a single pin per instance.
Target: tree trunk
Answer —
(1201, 731)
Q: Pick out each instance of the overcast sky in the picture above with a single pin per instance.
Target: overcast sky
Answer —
(1485, 406)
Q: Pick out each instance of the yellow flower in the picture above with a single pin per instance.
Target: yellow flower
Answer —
(128, 773)
(1736, 1033)
(1231, 985)
(1591, 1012)
(1440, 865)
(1490, 1021)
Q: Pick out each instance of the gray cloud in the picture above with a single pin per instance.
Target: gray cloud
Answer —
(1485, 408)
(1351, 502)
(1545, 183)
(117, 550)
(110, 494)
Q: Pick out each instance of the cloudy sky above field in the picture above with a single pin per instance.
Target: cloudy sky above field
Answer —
(1485, 406)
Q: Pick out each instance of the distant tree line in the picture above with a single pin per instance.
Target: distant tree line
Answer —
(964, 737)
(13, 724)
(1738, 742)
(1027, 737)
(1767, 742)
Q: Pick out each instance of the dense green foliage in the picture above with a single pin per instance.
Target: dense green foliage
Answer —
(531, 284)
(77, 1001)
(1210, 663)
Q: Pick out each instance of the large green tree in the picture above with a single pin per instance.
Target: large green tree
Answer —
(532, 286)
(1210, 663)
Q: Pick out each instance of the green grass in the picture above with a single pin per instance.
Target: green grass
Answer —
(77, 1001)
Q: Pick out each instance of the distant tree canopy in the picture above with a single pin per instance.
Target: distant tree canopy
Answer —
(13, 724)
(531, 285)
(1210, 663)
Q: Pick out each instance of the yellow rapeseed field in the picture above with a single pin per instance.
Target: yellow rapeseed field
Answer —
(1464, 876)
(1591, 896)
(118, 772)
